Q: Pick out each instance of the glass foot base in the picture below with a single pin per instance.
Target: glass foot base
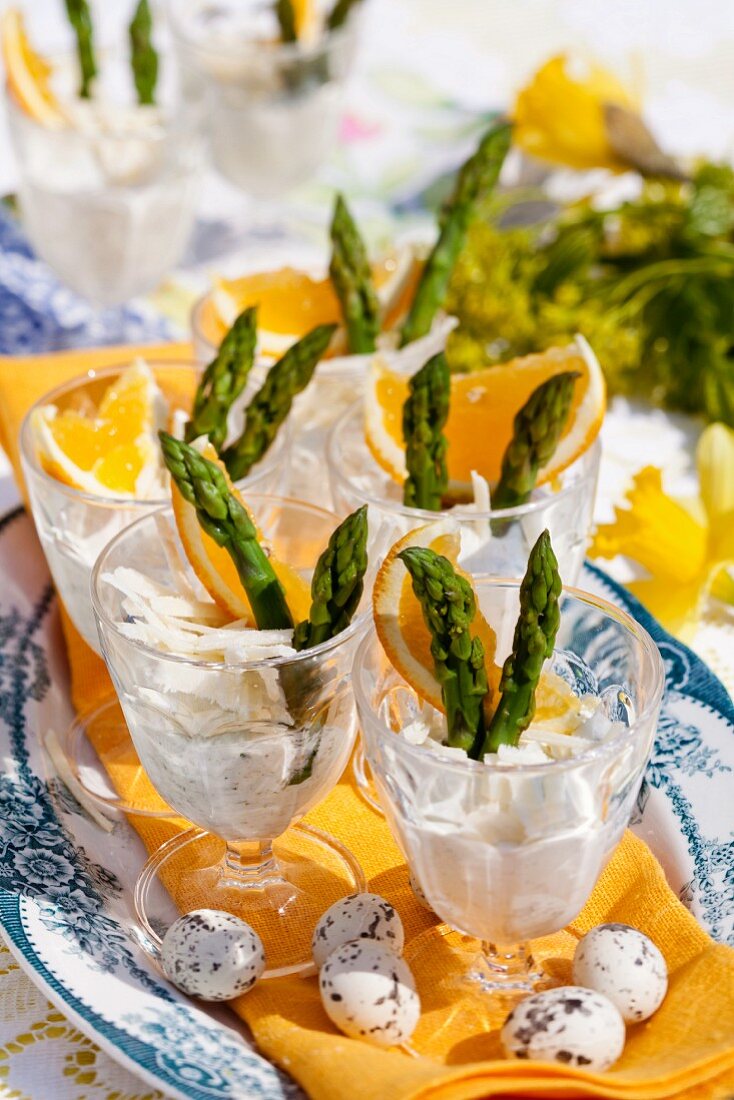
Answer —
(282, 898)
(96, 759)
(363, 777)
(467, 990)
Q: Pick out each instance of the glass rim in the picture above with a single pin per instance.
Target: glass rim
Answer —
(29, 456)
(460, 513)
(597, 752)
(325, 365)
(317, 272)
(171, 121)
(27, 449)
(298, 657)
(289, 51)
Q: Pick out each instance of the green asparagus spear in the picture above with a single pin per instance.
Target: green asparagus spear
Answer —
(272, 402)
(80, 18)
(337, 583)
(223, 381)
(286, 20)
(340, 13)
(535, 634)
(143, 57)
(476, 178)
(536, 431)
(223, 518)
(424, 414)
(449, 606)
(352, 278)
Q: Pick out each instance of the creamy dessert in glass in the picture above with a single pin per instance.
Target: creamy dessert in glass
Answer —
(496, 541)
(240, 732)
(506, 839)
(75, 522)
(388, 315)
(92, 466)
(273, 107)
(290, 302)
(107, 186)
(503, 454)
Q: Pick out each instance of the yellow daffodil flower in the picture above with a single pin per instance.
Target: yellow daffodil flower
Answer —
(559, 115)
(688, 551)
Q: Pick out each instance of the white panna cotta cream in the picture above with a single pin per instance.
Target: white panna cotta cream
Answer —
(109, 199)
(238, 751)
(274, 108)
(338, 384)
(512, 851)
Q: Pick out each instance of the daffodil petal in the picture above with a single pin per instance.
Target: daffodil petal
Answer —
(559, 115)
(675, 606)
(722, 585)
(655, 531)
(715, 464)
(721, 538)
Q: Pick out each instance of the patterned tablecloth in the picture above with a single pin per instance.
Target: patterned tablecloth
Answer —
(427, 74)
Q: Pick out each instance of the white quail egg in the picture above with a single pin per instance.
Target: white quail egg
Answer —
(369, 993)
(357, 917)
(571, 1025)
(212, 955)
(624, 965)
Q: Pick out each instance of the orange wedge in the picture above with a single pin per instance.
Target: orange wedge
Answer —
(111, 450)
(557, 708)
(215, 568)
(483, 406)
(305, 17)
(290, 302)
(27, 73)
(399, 620)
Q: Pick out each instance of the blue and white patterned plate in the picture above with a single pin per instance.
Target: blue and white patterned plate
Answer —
(65, 881)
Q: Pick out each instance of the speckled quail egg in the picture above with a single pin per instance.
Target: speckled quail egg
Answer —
(369, 993)
(212, 955)
(357, 917)
(571, 1025)
(624, 965)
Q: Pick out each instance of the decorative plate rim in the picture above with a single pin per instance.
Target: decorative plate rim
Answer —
(141, 1056)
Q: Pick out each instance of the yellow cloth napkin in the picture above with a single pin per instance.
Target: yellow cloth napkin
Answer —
(686, 1049)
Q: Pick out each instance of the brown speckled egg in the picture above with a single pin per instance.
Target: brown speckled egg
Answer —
(570, 1025)
(357, 917)
(369, 993)
(624, 965)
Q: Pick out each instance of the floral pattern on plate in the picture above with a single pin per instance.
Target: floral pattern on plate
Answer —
(65, 882)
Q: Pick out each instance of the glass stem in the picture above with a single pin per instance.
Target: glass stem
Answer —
(250, 864)
(509, 961)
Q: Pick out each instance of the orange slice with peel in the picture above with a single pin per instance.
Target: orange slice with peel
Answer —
(483, 406)
(305, 17)
(111, 450)
(290, 302)
(28, 74)
(399, 620)
(215, 568)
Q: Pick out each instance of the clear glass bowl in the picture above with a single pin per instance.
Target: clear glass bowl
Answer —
(508, 853)
(273, 108)
(241, 750)
(74, 526)
(565, 509)
(109, 209)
